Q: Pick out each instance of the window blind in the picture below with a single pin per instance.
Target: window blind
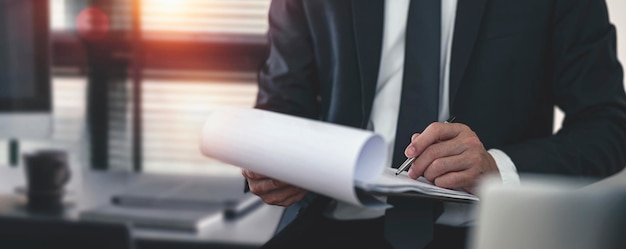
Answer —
(191, 18)
(175, 19)
(175, 107)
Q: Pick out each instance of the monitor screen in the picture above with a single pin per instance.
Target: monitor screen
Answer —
(25, 89)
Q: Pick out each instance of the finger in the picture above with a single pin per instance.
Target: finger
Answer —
(294, 198)
(281, 196)
(434, 133)
(455, 180)
(444, 165)
(246, 173)
(414, 136)
(434, 152)
(265, 186)
(409, 147)
(280, 184)
(251, 175)
(273, 185)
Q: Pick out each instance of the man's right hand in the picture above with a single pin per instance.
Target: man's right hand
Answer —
(272, 191)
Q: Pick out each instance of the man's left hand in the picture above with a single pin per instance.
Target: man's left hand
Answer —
(450, 155)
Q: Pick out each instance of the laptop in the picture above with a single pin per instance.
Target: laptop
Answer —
(550, 213)
(173, 202)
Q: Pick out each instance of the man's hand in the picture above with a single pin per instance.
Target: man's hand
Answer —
(272, 191)
(450, 155)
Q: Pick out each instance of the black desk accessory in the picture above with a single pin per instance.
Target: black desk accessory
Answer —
(240, 209)
(47, 172)
(46, 233)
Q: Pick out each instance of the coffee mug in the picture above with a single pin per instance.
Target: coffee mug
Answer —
(47, 172)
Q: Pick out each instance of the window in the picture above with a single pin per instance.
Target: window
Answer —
(173, 19)
(198, 55)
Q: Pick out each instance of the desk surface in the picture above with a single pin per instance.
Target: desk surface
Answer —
(96, 188)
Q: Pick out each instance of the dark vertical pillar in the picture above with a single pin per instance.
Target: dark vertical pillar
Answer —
(137, 78)
(103, 72)
(107, 68)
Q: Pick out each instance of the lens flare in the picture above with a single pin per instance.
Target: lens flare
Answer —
(92, 24)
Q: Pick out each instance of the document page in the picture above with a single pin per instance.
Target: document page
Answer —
(325, 158)
(388, 183)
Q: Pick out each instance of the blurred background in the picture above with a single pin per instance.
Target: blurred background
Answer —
(178, 60)
(146, 74)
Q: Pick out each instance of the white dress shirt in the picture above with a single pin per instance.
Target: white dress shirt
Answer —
(386, 106)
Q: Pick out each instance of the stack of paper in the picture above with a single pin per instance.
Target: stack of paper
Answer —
(389, 183)
(328, 159)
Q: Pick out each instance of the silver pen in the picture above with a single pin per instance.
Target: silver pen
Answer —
(407, 163)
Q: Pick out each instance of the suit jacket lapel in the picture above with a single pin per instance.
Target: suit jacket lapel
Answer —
(368, 18)
(468, 19)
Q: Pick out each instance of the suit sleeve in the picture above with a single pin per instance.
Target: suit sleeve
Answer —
(588, 87)
(288, 79)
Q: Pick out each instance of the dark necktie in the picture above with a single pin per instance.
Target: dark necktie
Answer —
(410, 223)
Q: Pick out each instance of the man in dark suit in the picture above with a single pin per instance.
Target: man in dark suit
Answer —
(499, 66)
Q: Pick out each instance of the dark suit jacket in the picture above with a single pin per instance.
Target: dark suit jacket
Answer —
(512, 62)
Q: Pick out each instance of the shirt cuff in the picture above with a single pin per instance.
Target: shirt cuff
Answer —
(508, 171)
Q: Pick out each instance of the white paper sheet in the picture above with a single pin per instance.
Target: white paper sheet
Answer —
(321, 157)
(388, 182)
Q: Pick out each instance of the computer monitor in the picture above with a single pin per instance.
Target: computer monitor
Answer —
(25, 89)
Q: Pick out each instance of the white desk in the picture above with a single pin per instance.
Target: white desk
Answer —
(96, 188)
